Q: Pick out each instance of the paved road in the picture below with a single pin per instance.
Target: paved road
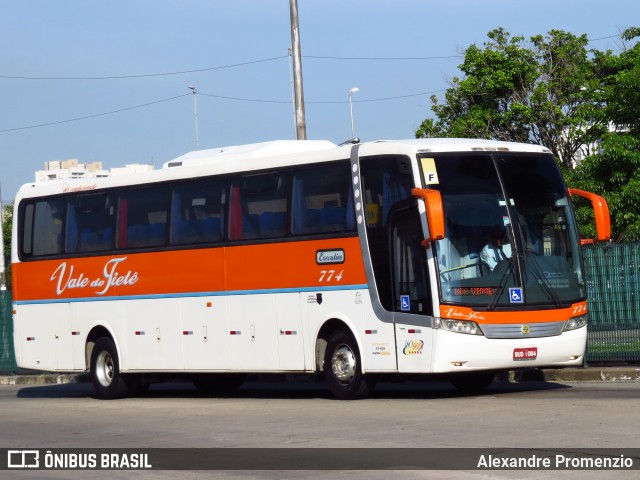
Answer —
(533, 415)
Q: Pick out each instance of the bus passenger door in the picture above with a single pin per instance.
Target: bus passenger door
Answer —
(411, 289)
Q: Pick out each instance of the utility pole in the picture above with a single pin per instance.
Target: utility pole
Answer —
(301, 123)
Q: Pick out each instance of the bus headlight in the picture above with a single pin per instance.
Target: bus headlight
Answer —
(457, 326)
(575, 323)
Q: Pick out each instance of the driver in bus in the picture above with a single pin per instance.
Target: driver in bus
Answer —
(496, 250)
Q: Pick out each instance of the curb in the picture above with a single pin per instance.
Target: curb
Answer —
(43, 379)
(593, 374)
(625, 374)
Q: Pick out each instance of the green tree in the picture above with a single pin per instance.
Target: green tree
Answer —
(551, 90)
(614, 171)
(543, 91)
(7, 217)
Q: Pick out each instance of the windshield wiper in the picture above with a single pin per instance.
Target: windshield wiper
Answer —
(502, 284)
(532, 265)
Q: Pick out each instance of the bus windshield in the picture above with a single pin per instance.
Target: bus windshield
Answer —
(511, 238)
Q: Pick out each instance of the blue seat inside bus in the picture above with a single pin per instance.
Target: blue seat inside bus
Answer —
(326, 219)
(197, 231)
(91, 240)
(146, 234)
(272, 223)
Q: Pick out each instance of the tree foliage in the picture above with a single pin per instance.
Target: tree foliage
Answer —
(7, 218)
(550, 90)
(614, 171)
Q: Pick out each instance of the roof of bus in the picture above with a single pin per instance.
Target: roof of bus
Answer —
(288, 147)
(271, 154)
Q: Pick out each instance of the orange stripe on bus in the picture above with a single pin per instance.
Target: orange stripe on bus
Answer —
(535, 316)
(230, 268)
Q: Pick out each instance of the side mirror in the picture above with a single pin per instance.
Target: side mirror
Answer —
(435, 213)
(601, 213)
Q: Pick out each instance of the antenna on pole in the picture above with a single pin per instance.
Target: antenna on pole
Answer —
(301, 123)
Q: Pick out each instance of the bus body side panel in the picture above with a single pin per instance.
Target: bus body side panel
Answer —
(153, 335)
(415, 345)
(205, 333)
(252, 324)
(199, 309)
(87, 315)
(378, 352)
(353, 308)
(43, 337)
(291, 332)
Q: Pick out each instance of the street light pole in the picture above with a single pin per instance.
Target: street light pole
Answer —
(195, 113)
(351, 92)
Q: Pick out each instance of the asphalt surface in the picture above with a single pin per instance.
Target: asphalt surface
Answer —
(621, 374)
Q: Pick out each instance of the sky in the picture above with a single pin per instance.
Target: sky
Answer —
(109, 81)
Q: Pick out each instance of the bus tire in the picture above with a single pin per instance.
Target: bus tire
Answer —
(342, 368)
(472, 382)
(107, 381)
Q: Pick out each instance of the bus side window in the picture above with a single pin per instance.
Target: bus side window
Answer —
(142, 217)
(89, 222)
(386, 181)
(259, 206)
(197, 212)
(47, 227)
(322, 200)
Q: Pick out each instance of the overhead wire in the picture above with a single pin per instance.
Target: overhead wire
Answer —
(251, 62)
(224, 97)
(86, 117)
(181, 72)
(144, 75)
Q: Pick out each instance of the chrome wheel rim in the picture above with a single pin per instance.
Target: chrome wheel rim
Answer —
(343, 364)
(105, 368)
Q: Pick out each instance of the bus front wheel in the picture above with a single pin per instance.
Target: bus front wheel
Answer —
(107, 381)
(342, 368)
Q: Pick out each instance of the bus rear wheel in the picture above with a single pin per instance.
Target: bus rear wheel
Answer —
(107, 381)
(342, 368)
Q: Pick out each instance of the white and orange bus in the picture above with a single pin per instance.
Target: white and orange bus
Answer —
(354, 261)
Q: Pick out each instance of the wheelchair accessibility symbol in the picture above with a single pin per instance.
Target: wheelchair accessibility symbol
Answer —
(405, 303)
(515, 295)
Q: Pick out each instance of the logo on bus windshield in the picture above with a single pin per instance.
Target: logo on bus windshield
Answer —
(515, 295)
(324, 257)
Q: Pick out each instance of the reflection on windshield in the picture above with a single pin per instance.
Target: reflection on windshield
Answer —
(510, 238)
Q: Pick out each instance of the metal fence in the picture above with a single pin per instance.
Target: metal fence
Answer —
(613, 289)
(7, 356)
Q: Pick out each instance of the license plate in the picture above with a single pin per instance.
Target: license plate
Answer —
(525, 353)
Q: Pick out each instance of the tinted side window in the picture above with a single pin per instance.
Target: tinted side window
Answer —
(90, 222)
(259, 206)
(322, 200)
(197, 212)
(142, 217)
(42, 227)
(386, 182)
